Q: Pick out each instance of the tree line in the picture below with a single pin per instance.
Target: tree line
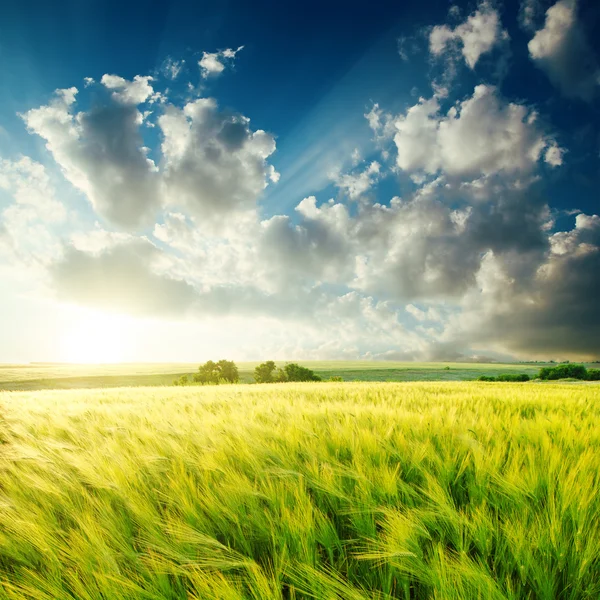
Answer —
(561, 371)
(226, 371)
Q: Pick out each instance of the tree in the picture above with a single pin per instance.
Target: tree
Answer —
(229, 371)
(593, 375)
(264, 372)
(295, 372)
(212, 372)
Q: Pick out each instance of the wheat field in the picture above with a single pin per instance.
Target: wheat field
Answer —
(351, 491)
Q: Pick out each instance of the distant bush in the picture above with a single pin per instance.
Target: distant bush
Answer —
(183, 380)
(505, 377)
(224, 371)
(564, 371)
(336, 378)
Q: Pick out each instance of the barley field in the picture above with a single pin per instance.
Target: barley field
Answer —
(355, 491)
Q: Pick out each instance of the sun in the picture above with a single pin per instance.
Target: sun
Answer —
(96, 337)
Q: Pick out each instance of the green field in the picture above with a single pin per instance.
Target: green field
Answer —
(39, 376)
(357, 491)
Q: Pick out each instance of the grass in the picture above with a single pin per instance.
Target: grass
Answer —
(39, 376)
(295, 491)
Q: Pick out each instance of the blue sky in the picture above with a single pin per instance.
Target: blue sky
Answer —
(452, 152)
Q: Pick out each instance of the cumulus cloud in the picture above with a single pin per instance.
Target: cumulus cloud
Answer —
(561, 49)
(213, 162)
(101, 152)
(214, 63)
(480, 135)
(417, 248)
(129, 92)
(476, 36)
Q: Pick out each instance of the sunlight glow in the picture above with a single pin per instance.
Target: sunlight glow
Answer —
(96, 337)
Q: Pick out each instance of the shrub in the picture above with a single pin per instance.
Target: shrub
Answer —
(183, 380)
(336, 378)
(225, 371)
(564, 371)
(505, 377)
(513, 377)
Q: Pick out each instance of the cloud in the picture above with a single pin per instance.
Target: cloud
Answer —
(562, 51)
(29, 222)
(129, 92)
(356, 184)
(476, 36)
(529, 11)
(29, 184)
(317, 248)
(213, 162)
(480, 135)
(171, 68)
(466, 257)
(551, 314)
(214, 63)
(101, 152)
(121, 278)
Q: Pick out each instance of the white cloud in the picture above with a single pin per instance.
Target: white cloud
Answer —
(29, 223)
(481, 135)
(129, 92)
(561, 49)
(357, 184)
(214, 63)
(476, 36)
(28, 182)
(554, 155)
(212, 161)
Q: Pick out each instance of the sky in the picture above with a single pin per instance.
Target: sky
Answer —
(184, 181)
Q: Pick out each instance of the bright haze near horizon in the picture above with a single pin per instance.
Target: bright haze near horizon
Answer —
(311, 180)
